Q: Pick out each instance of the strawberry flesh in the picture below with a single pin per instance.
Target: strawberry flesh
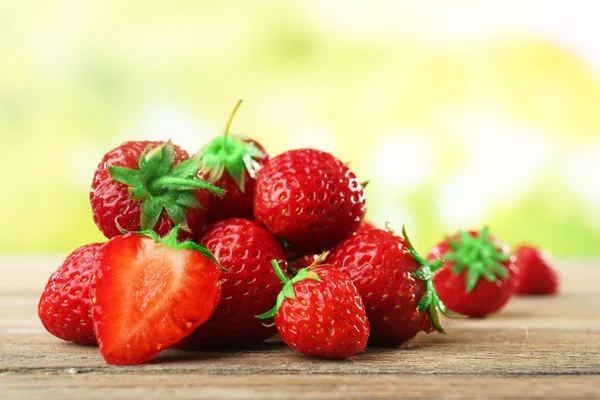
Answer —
(147, 296)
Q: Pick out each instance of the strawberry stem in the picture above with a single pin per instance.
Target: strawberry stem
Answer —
(167, 182)
(288, 287)
(279, 272)
(235, 108)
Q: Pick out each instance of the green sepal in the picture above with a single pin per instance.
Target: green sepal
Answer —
(128, 176)
(150, 212)
(478, 256)
(171, 240)
(430, 302)
(288, 287)
(231, 154)
(161, 186)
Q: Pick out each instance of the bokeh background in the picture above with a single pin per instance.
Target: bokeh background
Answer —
(461, 113)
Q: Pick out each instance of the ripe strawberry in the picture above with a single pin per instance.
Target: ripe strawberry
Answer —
(536, 275)
(148, 293)
(468, 257)
(309, 198)
(249, 285)
(148, 185)
(231, 162)
(320, 313)
(395, 283)
(64, 307)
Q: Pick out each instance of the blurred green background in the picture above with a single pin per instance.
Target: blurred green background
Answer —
(461, 113)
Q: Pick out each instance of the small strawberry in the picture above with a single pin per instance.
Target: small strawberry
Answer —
(231, 162)
(468, 257)
(536, 275)
(149, 185)
(395, 283)
(64, 307)
(149, 293)
(248, 287)
(320, 313)
(309, 198)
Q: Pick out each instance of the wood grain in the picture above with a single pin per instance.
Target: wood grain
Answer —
(537, 347)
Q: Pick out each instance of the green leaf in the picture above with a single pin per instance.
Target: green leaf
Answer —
(166, 160)
(128, 176)
(187, 199)
(176, 213)
(425, 301)
(189, 245)
(237, 171)
(150, 212)
(186, 169)
(472, 278)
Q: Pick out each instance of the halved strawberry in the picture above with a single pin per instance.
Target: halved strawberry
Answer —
(149, 293)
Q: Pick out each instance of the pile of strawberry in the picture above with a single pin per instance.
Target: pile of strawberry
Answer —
(227, 247)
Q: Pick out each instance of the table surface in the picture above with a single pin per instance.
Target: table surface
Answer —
(537, 347)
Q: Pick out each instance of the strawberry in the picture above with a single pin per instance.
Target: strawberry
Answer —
(149, 185)
(395, 283)
(320, 313)
(308, 198)
(149, 293)
(64, 307)
(468, 257)
(248, 287)
(536, 275)
(231, 162)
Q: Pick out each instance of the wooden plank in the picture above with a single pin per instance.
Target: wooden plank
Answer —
(538, 347)
(280, 386)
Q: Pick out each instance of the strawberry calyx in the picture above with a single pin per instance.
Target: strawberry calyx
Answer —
(171, 240)
(288, 285)
(430, 302)
(479, 256)
(231, 154)
(159, 185)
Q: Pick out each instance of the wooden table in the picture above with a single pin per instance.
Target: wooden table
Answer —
(537, 347)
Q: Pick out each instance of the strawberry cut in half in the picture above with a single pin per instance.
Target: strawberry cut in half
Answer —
(150, 292)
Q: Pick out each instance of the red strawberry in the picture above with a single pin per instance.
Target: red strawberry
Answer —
(468, 257)
(249, 286)
(394, 282)
(64, 307)
(148, 185)
(536, 275)
(231, 162)
(150, 293)
(320, 313)
(309, 198)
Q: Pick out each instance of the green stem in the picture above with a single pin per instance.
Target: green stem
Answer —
(166, 181)
(235, 108)
(279, 272)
